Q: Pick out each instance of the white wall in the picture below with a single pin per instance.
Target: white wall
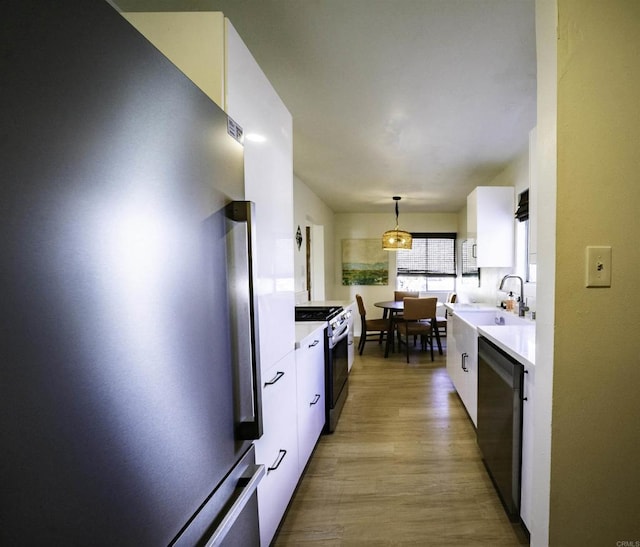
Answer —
(310, 210)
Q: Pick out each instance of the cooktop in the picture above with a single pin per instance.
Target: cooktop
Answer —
(317, 313)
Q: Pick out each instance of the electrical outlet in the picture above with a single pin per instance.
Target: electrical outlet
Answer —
(598, 266)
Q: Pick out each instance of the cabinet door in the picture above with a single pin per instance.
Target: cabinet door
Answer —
(471, 373)
(311, 395)
(277, 449)
(453, 354)
(268, 161)
(464, 365)
(490, 220)
(465, 350)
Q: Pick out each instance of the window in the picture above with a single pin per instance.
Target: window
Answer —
(523, 266)
(430, 265)
(469, 267)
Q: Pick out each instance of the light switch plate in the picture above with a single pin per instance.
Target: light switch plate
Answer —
(598, 266)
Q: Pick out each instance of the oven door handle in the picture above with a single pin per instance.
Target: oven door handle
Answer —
(336, 338)
(344, 331)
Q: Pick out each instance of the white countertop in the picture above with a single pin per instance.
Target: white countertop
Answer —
(518, 341)
(516, 338)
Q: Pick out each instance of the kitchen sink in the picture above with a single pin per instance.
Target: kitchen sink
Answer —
(477, 318)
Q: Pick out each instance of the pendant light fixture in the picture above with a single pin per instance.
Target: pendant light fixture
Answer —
(394, 240)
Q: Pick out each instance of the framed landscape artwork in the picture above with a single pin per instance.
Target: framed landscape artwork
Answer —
(364, 262)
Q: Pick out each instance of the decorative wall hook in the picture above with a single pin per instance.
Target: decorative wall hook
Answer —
(299, 238)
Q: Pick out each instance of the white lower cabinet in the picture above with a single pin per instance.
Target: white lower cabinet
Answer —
(526, 500)
(311, 395)
(462, 363)
(453, 356)
(277, 449)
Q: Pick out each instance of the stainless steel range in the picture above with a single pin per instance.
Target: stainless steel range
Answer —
(336, 370)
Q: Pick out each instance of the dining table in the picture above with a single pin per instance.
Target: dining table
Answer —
(391, 309)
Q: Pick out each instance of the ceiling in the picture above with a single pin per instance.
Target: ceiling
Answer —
(425, 99)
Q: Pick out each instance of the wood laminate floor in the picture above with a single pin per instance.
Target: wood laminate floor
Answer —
(402, 468)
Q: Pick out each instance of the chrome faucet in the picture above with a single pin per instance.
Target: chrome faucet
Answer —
(521, 306)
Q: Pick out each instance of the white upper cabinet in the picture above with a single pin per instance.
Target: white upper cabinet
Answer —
(268, 140)
(490, 214)
(209, 51)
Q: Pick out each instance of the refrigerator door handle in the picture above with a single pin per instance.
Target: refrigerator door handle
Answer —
(244, 317)
(249, 486)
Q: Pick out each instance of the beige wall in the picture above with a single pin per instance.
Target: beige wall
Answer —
(193, 41)
(372, 226)
(595, 475)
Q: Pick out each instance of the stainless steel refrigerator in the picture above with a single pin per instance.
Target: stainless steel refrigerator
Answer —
(128, 379)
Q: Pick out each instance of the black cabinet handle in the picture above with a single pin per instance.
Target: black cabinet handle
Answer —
(277, 377)
(281, 454)
(315, 343)
(464, 359)
(315, 400)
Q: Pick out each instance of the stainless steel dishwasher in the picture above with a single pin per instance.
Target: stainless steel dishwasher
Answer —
(499, 431)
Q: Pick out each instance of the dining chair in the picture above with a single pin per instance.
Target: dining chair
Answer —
(419, 320)
(441, 321)
(399, 296)
(371, 329)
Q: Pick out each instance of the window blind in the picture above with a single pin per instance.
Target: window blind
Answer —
(522, 212)
(469, 264)
(433, 255)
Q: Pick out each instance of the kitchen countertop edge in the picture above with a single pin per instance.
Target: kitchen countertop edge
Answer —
(343, 303)
(472, 306)
(517, 341)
